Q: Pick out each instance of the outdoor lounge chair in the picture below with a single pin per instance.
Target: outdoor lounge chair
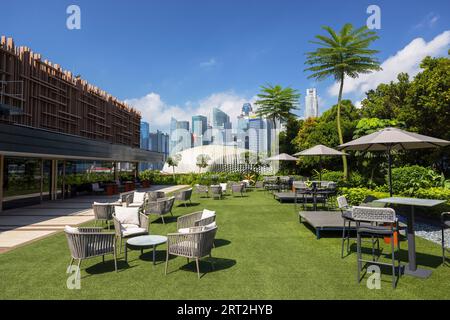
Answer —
(383, 223)
(201, 189)
(196, 219)
(445, 224)
(160, 207)
(184, 196)
(155, 195)
(85, 243)
(103, 212)
(139, 199)
(128, 222)
(238, 188)
(195, 244)
(216, 191)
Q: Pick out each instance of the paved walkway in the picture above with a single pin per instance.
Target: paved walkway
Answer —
(24, 225)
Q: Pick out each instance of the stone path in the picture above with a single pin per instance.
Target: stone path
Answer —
(24, 225)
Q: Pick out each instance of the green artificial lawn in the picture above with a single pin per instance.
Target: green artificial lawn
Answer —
(262, 252)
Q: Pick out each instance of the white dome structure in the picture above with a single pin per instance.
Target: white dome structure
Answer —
(218, 154)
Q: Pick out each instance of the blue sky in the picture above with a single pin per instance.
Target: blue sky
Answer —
(183, 57)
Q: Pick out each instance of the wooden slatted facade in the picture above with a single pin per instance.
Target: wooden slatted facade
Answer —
(54, 99)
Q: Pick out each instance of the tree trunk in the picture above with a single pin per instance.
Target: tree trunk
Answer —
(338, 119)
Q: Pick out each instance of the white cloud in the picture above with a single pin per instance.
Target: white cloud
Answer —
(208, 64)
(158, 113)
(406, 60)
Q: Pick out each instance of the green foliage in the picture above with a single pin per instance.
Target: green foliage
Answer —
(276, 102)
(355, 179)
(79, 179)
(356, 196)
(407, 180)
(367, 126)
(433, 193)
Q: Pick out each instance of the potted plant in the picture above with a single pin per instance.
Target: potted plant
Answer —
(145, 177)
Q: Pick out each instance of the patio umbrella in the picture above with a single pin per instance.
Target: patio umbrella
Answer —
(319, 150)
(389, 139)
(282, 157)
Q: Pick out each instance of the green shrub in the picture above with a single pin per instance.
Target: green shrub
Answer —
(355, 179)
(407, 180)
(433, 193)
(357, 195)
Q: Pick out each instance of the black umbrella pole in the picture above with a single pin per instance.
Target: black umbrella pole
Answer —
(390, 172)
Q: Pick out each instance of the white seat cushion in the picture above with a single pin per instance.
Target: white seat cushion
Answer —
(127, 215)
(212, 225)
(139, 197)
(136, 204)
(132, 231)
(208, 213)
(71, 230)
(183, 230)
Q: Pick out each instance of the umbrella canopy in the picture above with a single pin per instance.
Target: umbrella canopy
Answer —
(389, 139)
(319, 150)
(393, 139)
(282, 157)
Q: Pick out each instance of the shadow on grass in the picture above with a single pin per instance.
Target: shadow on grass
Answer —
(221, 243)
(206, 265)
(192, 204)
(107, 266)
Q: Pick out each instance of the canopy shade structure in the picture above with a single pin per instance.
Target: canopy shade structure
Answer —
(389, 139)
(282, 157)
(320, 151)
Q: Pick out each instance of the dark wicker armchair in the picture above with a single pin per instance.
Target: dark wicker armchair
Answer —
(184, 196)
(201, 189)
(160, 207)
(85, 243)
(216, 191)
(155, 195)
(238, 188)
(193, 245)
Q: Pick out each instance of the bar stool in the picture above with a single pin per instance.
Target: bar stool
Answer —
(383, 222)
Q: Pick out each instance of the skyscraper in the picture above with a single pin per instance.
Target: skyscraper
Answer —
(180, 137)
(199, 126)
(311, 103)
(221, 127)
(246, 109)
(145, 130)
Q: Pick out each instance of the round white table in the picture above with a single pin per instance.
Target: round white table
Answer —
(144, 242)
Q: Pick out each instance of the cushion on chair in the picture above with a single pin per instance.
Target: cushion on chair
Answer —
(347, 214)
(71, 230)
(139, 197)
(127, 215)
(208, 213)
(210, 226)
(382, 230)
(133, 231)
(447, 223)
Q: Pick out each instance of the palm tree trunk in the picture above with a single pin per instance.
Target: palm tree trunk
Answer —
(338, 119)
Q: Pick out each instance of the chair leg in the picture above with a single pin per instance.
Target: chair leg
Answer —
(348, 236)
(120, 250)
(79, 270)
(115, 259)
(71, 261)
(373, 248)
(103, 258)
(343, 240)
(443, 246)
(167, 262)
(358, 247)
(198, 268)
(162, 217)
(393, 261)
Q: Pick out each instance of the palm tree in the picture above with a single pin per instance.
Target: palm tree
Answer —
(202, 161)
(275, 102)
(173, 161)
(341, 55)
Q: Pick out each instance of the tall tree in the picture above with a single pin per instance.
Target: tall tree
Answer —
(277, 103)
(340, 55)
